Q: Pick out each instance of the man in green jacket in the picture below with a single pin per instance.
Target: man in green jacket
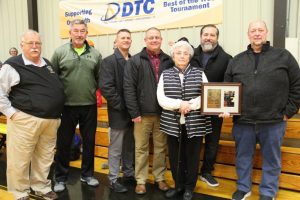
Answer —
(77, 65)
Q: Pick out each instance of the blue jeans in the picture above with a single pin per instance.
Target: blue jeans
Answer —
(269, 136)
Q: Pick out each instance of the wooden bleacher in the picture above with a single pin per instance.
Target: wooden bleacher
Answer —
(2, 131)
(290, 173)
(225, 164)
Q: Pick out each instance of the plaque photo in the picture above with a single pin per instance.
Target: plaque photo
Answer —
(218, 97)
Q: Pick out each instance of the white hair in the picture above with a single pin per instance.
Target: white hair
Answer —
(29, 32)
(182, 44)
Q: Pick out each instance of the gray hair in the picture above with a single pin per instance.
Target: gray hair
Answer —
(29, 32)
(258, 21)
(182, 44)
(152, 28)
(78, 21)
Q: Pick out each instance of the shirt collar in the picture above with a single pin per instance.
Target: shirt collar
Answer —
(119, 54)
(28, 62)
(152, 54)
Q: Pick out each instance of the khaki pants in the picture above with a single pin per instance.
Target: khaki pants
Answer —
(30, 151)
(142, 131)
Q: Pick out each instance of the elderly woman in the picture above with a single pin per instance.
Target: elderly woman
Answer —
(178, 94)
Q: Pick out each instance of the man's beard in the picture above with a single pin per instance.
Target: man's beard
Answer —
(208, 47)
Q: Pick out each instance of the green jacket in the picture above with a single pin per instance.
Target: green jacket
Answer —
(79, 74)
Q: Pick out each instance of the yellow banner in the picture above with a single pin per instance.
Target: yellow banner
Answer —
(108, 16)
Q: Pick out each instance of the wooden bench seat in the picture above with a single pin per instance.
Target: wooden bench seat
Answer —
(287, 181)
(102, 114)
(2, 118)
(290, 173)
(292, 129)
(225, 167)
(3, 128)
(225, 163)
(287, 142)
(3, 131)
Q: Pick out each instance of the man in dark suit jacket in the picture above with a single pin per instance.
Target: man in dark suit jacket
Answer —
(210, 56)
(121, 145)
(141, 76)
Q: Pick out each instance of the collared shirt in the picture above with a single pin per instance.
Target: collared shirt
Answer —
(28, 62)
(9, 77)
(120, 58)
(154, 58)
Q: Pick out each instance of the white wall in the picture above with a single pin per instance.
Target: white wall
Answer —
(293, 28)
(13, 20)
(237, 14)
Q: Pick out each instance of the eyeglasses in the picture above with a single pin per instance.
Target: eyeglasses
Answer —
(37, 44)
(154, 38)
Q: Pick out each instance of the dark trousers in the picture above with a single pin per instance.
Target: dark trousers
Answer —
(86, 116)
(211, 145)
(189, 159)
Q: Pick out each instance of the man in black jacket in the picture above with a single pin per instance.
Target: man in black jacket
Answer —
(141, 76)
(270, 78)
(210, 56)
(121, 147)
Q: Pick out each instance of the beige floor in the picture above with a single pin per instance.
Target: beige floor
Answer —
(225, 190)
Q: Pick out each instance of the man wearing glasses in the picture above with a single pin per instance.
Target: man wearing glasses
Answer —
(141, 76)
(77, 65)
(32, 98)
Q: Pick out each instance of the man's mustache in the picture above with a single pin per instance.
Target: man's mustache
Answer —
(35, 50)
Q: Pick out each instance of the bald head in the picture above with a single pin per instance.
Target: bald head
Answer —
(257, 34)
(259, 23)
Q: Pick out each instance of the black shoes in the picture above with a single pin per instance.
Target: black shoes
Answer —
(128, 180)
(264, 197)
(118, 187)
(173, 193)
(188, 195)
(240, 195)
(209, 179)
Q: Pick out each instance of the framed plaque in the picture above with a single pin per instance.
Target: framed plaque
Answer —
(218, 97)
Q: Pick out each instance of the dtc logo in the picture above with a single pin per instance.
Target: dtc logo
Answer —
(128, 8)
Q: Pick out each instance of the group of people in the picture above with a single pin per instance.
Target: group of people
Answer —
(43, 102)
(149, 95)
